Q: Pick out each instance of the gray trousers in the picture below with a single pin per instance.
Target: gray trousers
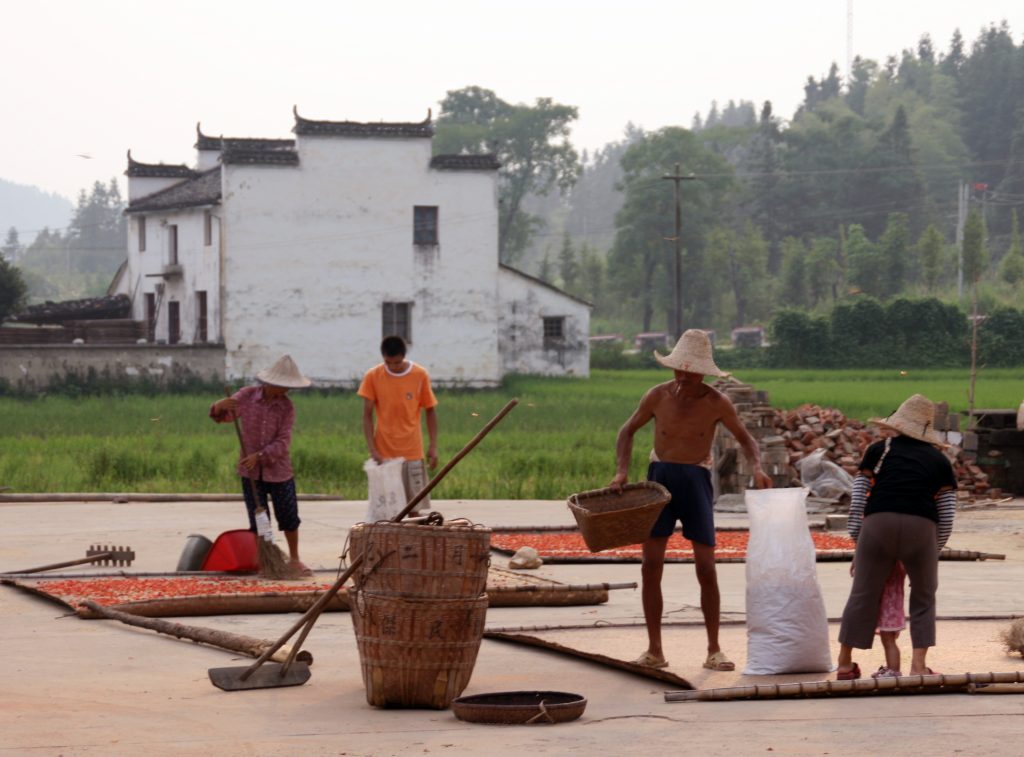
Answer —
(884, 539)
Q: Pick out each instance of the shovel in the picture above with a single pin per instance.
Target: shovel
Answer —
(291, 673)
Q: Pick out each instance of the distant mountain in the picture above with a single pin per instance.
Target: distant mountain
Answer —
(29, 209)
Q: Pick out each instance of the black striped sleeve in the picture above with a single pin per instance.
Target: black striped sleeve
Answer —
(946, 504)
(858, 500)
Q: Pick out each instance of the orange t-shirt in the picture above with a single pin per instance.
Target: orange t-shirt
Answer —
(398, 399)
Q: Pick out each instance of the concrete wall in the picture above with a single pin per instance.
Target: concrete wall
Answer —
(333, 236)
(525, 302)
(33, 368)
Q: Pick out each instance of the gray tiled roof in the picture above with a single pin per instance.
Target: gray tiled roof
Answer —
(240, 155)
(157, 170)
(206, 142)
(482, 162)
(359, 129)
(203, 189)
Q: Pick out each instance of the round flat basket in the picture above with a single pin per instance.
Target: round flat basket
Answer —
(520, 707)
(609, 519)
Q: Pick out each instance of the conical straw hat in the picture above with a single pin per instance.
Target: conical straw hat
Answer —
(692, 354)
(284, 373)
(914, 418)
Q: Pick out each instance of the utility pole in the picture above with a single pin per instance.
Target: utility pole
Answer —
(676, 178)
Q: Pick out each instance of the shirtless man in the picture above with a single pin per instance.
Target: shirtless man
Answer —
(685, 412)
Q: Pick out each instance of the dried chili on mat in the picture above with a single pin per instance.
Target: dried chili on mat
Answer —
(120, 589)
(731, 544)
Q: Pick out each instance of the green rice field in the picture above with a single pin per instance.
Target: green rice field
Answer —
(559, 439)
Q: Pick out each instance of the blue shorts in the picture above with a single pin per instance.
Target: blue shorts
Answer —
(692, 501)
(282, 494)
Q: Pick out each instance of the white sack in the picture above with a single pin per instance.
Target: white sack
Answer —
(386, 490)
(787, 628)
(823, 477)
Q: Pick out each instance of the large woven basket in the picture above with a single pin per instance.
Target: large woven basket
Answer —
(610, 519)
(408, 560)
(416, 652)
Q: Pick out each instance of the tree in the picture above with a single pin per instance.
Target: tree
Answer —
(97, 234)
(862, 74)
(592, 275)
(547, 268)
(930, 249)
(12, 289)
(1012, 268)
(12, 246)
(641, 263)
(568, 267)
(864, 261)
(975, 254)
(821, 265)
(894, 248)
(794, 273)
(530, 141)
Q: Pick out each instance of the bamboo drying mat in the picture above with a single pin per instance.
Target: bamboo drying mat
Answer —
(172, 595)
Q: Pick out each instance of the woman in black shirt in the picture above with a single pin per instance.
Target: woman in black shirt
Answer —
(902, 508)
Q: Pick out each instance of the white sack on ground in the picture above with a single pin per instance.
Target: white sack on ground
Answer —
(787, 627)
(386, 490)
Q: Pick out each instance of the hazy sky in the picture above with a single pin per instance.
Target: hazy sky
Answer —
(97, 77)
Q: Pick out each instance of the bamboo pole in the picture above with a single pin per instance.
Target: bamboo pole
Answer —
(931, 684)
(233, 642)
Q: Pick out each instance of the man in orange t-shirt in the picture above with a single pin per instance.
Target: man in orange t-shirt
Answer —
(397, 390)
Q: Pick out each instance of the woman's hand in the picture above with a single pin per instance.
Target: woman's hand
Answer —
(250, 461)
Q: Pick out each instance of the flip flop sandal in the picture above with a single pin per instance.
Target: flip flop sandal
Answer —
(849, 675)
(718, 661)
(650, 661)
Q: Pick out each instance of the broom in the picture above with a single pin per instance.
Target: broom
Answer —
(272, 561)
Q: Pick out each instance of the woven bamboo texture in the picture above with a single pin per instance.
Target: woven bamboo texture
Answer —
(520, 707)
(416, 652)
(418, 561)
(608, 519)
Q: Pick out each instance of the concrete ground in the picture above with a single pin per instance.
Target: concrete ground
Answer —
(71, 686)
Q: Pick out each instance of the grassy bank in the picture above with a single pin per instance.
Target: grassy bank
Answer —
(558, 440)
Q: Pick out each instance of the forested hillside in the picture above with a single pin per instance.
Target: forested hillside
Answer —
(864, 191)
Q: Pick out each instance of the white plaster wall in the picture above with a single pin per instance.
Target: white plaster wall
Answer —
(206, 159)
(524, 303)
(312, 251)
(140, 186)
(200, 266)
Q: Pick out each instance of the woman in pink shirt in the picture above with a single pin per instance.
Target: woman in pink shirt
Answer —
(267, 417)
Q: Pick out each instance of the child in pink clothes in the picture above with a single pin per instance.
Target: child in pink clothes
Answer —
(891, 620)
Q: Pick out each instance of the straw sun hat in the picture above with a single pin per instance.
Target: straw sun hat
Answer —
(284, 373)
(692, 354)
(914, 418)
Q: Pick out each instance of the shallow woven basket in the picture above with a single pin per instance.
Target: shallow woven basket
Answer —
(409, 560)
(520, 707)
(609, 519)
(416, 652)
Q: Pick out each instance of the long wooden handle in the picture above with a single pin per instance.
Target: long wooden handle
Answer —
(233, 642)
(241, 445)
(67, 563)
(310, 616)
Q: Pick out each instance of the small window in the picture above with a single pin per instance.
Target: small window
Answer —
(554, 327)
(397, 320)
(202, 332)
(150, 317)
(142, 233)
(424, 225)
(207, 228)
(172, 244)
(173, 322)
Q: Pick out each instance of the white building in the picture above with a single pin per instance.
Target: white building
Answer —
(321, 245)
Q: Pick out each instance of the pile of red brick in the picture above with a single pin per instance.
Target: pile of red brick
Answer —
(809, 428)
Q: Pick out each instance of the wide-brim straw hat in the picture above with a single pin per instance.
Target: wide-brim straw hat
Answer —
(914, 418)
(692, 354)
(284, 373)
